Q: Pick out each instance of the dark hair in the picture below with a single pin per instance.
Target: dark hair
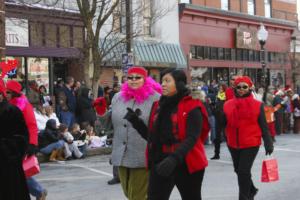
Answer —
(106, 88)
(179, 77)
(62, 127)
(42, 86)
(69, 79)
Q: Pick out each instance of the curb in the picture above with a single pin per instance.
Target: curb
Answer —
(90, 152)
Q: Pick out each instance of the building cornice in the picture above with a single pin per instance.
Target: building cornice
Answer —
(234, 16)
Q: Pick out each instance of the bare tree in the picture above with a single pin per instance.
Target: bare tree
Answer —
(102, 19)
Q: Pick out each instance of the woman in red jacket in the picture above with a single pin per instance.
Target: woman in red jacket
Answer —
(177, 129)
(245, 126)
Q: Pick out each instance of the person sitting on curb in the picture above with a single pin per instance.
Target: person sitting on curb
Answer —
(50, 142)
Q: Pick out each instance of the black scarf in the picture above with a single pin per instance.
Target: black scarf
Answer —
(163, 124)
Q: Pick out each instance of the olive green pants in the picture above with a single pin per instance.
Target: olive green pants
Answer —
(134, 182)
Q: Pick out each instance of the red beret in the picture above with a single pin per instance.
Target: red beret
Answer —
(2, 88)
(100, 105)
(245, 79)
(14, 86)
(138, 70)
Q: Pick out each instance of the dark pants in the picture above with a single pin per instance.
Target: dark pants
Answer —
(189, 185)
(278, 122)
(242, 161)
(218, 139)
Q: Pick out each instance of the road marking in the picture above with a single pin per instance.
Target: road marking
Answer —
(287, 150)
(222, 161)
(81, 166)
(69, 178)
(91, 169)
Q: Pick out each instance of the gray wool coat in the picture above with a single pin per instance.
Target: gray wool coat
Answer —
(128, 146)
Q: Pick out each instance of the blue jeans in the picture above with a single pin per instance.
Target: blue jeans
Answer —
(83, 149)
(35, 189)
(212, 124)
(48, 149)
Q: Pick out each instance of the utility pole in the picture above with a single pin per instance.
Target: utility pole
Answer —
(128, 26)
(2, 30)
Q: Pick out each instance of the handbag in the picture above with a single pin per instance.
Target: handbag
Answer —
(31, 166)
(269, 171)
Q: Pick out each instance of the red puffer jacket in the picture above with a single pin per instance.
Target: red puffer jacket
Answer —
(23, 104)
(242, 129)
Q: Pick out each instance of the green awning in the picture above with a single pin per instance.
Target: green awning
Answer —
(148, 54)
(159, 54)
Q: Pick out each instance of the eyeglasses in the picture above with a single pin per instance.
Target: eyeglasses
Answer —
(244, 87)
(133, 78)
(8, 92)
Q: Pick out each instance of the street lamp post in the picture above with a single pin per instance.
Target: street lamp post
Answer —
(262, 36)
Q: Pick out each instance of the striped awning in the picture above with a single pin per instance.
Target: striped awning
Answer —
(159, 54)
(149, 54)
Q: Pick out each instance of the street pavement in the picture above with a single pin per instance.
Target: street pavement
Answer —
(86, 179)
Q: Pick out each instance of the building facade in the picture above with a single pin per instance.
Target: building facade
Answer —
(222, 38)
(155, 38)
(2, 28)
(46, 42)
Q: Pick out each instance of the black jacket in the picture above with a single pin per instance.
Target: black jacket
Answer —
(13, 143)
(49, 135)
(85, 109)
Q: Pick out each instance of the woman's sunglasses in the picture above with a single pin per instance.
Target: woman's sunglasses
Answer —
(244, 87)
(133, 78)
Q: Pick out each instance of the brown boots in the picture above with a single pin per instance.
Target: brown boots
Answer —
(53, 155)
(60, 155)
(57, 155)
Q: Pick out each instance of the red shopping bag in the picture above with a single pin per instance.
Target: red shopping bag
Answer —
(31, 166)
(269, 171)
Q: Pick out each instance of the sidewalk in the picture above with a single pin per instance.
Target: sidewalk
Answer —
(90, 152)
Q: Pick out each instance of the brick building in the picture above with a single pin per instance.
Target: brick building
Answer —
(2, 28)
(47, 42)
(221, 38)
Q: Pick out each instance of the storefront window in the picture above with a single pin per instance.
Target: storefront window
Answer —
(206, 52)
(213, 53)
(200, 52)
(38, 70)
(19, 73)
(227, 54)
(193, 51)
(277, 78)
(239, 54)
(221, 53)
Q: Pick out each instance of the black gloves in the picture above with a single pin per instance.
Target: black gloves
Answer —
(166, 167)
(132, 116)
(31, 150)
(136, 122)
(269, 149)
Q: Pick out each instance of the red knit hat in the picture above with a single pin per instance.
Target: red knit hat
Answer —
(245, 79)
(100, 105)
(138, 70)
(14, 86)
(2, 88)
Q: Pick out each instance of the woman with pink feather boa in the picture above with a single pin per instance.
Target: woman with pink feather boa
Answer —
(137, 94)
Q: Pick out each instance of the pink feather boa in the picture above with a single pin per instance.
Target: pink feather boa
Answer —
(20, 102)
(141, 94)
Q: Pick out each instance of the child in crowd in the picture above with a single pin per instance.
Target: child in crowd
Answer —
(70, 147)
(77, 133)
(93, 140)
(79, 138)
